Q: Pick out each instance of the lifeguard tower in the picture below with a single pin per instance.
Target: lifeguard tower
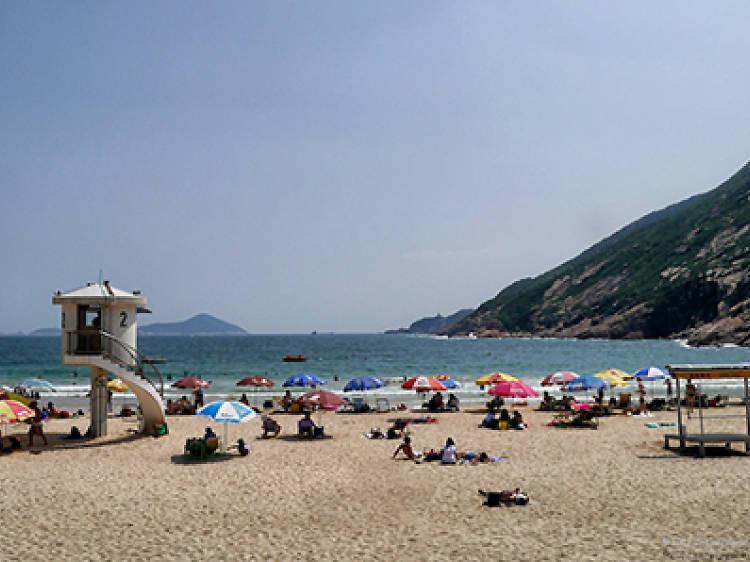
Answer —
(99, 331)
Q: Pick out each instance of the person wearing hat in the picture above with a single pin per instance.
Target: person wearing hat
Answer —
(36, 424)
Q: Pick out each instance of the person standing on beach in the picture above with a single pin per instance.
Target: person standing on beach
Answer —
(198, 397)
(36, 424)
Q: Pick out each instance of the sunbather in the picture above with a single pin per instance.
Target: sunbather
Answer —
(506, 496)
(405, 447)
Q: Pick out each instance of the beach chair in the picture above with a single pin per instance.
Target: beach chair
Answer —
(383, 405)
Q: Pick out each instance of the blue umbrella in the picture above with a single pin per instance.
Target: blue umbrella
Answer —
(587, 382)
(304, 379)
(37, 384)
(451, 384)
(227, 411)
(363, 383)
(650, 374)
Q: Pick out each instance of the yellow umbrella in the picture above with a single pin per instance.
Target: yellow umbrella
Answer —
(494, 378)
(610, 378)
(616, 372)
(17, 397)
(117, 386)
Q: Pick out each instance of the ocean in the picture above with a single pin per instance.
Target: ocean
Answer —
(226, 360)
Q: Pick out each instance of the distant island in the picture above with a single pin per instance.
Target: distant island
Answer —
(198, 325)
(433, 324)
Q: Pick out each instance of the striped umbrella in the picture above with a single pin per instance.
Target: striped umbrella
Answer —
(616, 372)
(559, 377)
(650, 374)
(423, 384)
(227, 411)
(494, 378)
(12, 411)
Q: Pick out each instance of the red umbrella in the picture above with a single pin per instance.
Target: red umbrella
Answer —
(423, 384)
(515, 389)
(560, 377)
(255, 381)
(191, 382)
(322, 399)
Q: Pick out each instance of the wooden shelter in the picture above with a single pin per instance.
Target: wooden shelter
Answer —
(712, 372)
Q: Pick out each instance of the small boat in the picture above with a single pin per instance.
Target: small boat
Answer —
(291, 358)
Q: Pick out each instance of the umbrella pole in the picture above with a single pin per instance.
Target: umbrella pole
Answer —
(226, 436)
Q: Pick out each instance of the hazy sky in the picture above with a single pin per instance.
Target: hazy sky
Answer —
(347, 166)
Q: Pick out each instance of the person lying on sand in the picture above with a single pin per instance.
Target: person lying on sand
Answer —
(506, 496)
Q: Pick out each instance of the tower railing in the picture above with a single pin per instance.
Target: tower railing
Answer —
(92, 341)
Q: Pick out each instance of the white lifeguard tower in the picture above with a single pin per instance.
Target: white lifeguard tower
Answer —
(99, 331)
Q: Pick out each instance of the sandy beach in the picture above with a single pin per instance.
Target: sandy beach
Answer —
(607, 494)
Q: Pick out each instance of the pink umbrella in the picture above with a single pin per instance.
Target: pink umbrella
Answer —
(560, 377)
(322, 399)
(191, 382)
(516, 389)
(423, 384)
(255, 381)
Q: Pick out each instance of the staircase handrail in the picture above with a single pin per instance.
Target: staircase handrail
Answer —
(138, 358)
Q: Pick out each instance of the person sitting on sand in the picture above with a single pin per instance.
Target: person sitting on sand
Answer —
(405, 447)
(242, 448)
(453, 402)
(435, 403)
(504, 415)
(489, 421)
(449, 452)
(209, 433)
(271, 428)
(305, 426)
(243, 399)
(516, 421)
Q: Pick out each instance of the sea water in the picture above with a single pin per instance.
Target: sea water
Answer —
(226, 360)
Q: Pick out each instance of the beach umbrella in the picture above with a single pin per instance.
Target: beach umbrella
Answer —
(559, 377)
(255, 381)
(450, 384)
(304, 379)
(611, 378)
(8, 395)
(191, 382)
(442, 378)
(363, 383)
(12, 411)
(117, 385)
(494, 378)
(322, 399)
(227, 411)
(587, 382)
(513, 389)
(37, 385)
(423, 384)
(650, 374)
(616, 372)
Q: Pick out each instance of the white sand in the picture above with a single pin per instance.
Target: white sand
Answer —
(608, 494)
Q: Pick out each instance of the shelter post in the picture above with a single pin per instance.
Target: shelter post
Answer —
(747, 414)
(680, 428)
(98, 402)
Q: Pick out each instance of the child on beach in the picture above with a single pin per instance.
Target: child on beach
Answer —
(36, 424)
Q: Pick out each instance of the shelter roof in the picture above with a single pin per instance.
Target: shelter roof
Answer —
(95, 293)
(736, 371)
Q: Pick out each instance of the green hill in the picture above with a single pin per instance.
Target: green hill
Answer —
(678, 272)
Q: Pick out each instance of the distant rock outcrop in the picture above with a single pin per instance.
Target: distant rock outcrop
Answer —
(46, 332)
(433, 324)
(200, 325)
(682, 272)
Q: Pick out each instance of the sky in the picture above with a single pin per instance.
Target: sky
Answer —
(347, 166)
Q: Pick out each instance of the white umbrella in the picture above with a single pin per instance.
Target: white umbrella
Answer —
(227, 411)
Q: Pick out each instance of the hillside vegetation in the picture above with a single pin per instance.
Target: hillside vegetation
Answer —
(678, 272)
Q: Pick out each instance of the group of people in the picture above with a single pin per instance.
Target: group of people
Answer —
(449, 454)
(511, 422)
(436, 403)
